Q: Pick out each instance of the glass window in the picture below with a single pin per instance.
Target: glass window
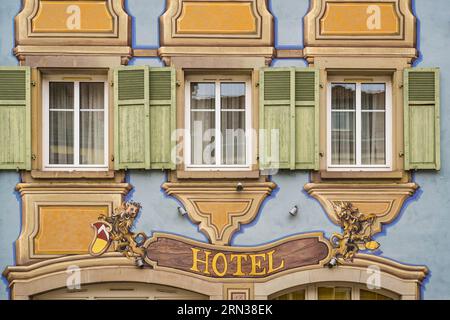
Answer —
(343, 128)
(218, 124)
(76, 124)
(359, 125)
(370, 295)
(61, 121)
(296, 295)
(334, 293)
(373, 123)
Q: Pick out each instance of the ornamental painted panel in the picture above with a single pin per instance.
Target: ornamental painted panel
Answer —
(218, 208)
(216, 22)
(379, 23)
(65, 229)
(73, 17)
(56, 220)
(53, 27)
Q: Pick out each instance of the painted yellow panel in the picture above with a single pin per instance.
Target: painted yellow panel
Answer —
(217, 18)
(359, 19)
(66, 229)
(90, 16)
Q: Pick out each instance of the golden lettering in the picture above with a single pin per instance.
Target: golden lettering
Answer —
(225, 264)
(196, 261)
(239, 258)
(270, 258)
(256, 264)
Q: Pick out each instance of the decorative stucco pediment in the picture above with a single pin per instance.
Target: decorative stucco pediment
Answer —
(73, 27)
(217, 23)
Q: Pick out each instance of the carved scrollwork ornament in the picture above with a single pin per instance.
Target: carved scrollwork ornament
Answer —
(357, 232)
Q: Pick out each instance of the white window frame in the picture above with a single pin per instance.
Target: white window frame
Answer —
(46, 127)
(218, 79)
(388, 111)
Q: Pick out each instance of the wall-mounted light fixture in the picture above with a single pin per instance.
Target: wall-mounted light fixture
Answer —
(333, 263)
(239, 187)
(294, 211)
(182, 211)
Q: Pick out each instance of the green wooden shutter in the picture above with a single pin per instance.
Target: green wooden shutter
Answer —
(306, 119)
(132, 118)
(277, 119)
(162, 117)
(421, 119)
(15, 118)
(289, 100)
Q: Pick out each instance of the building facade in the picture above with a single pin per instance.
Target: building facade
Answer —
(224, 149)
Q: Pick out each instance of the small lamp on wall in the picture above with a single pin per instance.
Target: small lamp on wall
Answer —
(182, 211)
(294, 211)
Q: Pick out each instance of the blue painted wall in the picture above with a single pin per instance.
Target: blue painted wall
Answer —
(419, 236)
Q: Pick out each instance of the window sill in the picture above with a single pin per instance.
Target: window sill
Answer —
(248, 174)
(38, 174)
(361, 174)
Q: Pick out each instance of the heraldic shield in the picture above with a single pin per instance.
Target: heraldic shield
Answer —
(102, 239)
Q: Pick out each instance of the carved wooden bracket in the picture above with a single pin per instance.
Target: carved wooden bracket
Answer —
(382, 200)
(220, 209)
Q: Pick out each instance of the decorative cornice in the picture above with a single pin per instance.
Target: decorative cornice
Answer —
(219, 208)
(382, 200)
(58, 188)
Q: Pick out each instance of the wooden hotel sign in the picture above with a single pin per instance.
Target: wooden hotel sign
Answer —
(293, 253)
(76, 16)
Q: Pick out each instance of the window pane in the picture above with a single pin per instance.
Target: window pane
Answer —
(61, 137)
(92, 137)
(61, 95)
(343, 96)
(373, 138)
(233, 138)
(203, 138)
(369, 295)
(297, 295)
(343, 138)
(203, 96)
(373, 96)
(232, 95)
(203, 123)
(92, 95)
(338, 293)
(233, 123)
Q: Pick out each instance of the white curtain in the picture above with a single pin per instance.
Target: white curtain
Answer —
(343, 123)
(61, 122)
(373, 124)
(203, 103)
(233, 123)
(92, 122)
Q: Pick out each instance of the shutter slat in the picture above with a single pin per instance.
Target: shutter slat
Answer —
(422, 119)
(277, 85)
(15, 118)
